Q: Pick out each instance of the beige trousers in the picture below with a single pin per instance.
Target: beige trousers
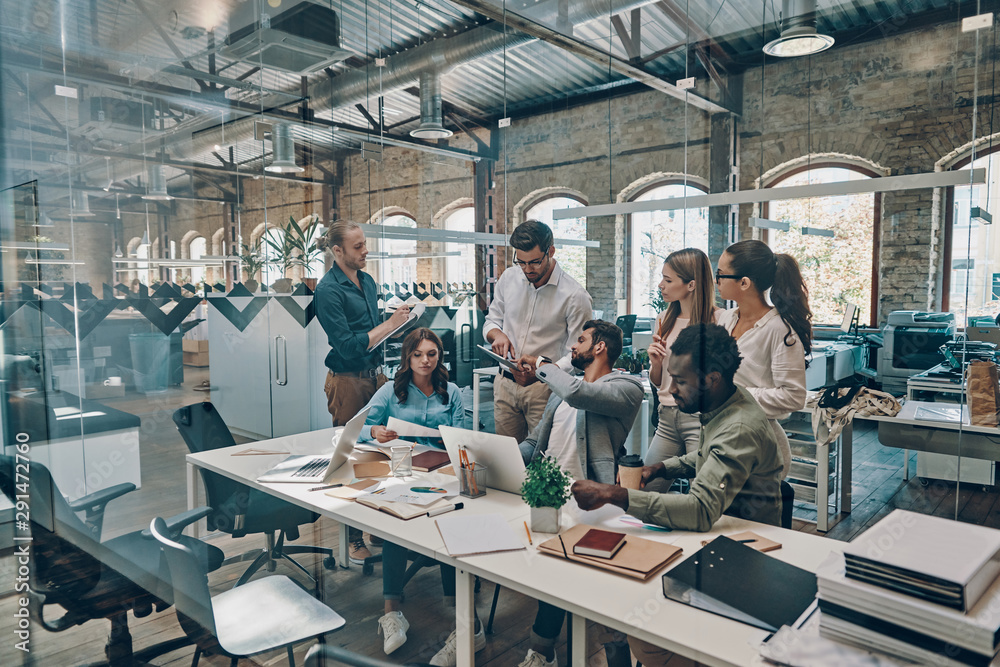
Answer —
(516, 409)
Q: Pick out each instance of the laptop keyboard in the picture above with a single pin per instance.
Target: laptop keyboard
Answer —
(313, 468)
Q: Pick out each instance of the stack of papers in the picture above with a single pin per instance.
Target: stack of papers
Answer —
(473, 534)
(918, 587)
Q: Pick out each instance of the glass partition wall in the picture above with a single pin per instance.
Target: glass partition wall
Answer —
(166, 170)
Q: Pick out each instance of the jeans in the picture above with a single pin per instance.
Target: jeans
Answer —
(394, 567)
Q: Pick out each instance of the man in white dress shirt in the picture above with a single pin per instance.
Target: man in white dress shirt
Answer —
(537, 311)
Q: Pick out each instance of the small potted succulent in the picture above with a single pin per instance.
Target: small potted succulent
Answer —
(546, 490)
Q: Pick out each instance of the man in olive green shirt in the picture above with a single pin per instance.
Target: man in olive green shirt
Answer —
(737, 467)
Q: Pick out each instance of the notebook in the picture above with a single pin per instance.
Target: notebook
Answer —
(638, 558)
(311, 469)
(473, 534)
(599, 543)
(429, 461)
(732, 580)
(404, 511)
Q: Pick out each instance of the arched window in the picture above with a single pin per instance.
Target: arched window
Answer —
(573, 259)
(971, 281)
(838, 269)
(652, 235)
(196, 250)
(400, 263)
(271, 271)
(461, 269)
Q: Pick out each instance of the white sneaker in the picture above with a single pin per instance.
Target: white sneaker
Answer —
(536, 659)
(393, 627)
(447, 656)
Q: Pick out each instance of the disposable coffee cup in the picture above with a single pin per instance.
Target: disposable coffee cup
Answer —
(630, 471)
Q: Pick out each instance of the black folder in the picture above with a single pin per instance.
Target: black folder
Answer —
(732, 580)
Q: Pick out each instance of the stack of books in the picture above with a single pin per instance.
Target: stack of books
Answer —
(917, 587)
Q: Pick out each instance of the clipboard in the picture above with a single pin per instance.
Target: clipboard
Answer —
(415, 313)
(506, 363)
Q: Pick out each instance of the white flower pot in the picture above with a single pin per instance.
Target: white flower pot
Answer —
(544, 519)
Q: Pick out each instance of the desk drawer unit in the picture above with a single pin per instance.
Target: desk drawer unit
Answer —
(810, 463)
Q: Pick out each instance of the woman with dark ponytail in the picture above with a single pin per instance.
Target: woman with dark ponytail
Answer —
(773, 341)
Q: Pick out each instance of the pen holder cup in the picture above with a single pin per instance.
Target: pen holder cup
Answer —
(472, 483)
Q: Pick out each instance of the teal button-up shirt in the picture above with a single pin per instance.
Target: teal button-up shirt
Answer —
(347, 314)
(426, 411)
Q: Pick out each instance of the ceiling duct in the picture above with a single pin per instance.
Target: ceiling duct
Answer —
(295, 36)
(283, 147)
(431, 125)
(81, 204)
(157, 190)
(799, 36)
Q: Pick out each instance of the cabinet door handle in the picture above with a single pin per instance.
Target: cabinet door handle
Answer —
(284, 361)
(469, 345)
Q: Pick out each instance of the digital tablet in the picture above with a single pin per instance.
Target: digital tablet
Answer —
(506, 363)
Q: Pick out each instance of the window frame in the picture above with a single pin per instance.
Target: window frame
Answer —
(630, 227)
(776, 180)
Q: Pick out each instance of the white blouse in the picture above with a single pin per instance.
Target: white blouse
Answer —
(773, 372)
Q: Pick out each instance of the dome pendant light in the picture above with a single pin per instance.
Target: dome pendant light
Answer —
(798, 31)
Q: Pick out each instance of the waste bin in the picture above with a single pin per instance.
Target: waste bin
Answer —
(150, 357)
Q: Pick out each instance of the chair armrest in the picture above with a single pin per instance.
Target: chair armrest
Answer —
(93, 505)
(102, 497)
(179, 522)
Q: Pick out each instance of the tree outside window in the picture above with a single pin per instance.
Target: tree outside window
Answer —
(655, 234)
(975, 247)
(837, 270)
(573, 259)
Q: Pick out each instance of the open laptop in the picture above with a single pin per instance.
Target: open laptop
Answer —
(499, 453)
(318, 469)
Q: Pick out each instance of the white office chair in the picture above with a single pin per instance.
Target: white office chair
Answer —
(261, 615)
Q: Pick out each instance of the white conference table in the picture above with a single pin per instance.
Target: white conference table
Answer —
(635, 607)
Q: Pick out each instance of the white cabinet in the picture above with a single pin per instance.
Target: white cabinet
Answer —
(267, 380)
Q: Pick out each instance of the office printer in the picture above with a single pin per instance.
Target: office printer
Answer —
(912, 343)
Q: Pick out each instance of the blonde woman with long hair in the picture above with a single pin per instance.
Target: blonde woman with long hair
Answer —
(688, 287)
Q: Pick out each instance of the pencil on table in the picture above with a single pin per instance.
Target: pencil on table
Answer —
(528, 532)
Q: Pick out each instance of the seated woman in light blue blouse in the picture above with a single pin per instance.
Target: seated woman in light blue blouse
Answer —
(420, 394)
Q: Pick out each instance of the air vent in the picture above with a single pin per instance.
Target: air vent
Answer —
(298, 37)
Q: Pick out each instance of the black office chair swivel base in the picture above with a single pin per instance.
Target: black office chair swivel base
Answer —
(275, 551)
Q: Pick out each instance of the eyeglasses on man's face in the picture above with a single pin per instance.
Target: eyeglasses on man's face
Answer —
(534, 263)
(719, 275)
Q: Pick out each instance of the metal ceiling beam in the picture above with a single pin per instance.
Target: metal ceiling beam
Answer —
(490, 10)
(631, 42)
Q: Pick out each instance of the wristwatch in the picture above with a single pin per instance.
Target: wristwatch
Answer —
(539, 360)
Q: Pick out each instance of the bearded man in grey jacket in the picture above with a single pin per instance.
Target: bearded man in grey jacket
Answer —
(584, 427)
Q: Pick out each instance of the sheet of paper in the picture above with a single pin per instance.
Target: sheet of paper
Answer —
(410, 430)
(469, 534)
(411, 492)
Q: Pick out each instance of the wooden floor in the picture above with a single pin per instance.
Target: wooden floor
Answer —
(878, 488)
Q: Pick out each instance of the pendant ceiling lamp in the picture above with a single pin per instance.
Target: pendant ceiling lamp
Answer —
(799, 36)
(157, 187)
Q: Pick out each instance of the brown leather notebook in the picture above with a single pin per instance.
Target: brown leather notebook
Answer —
(431, 460)
(638, 558)
(599, 543)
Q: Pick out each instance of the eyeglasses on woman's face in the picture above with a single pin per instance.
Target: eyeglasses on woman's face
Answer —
(719, 275)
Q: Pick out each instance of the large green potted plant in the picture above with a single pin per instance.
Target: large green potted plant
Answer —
(302, 237)
(284, 257)
(253, 261)
(546, 490)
